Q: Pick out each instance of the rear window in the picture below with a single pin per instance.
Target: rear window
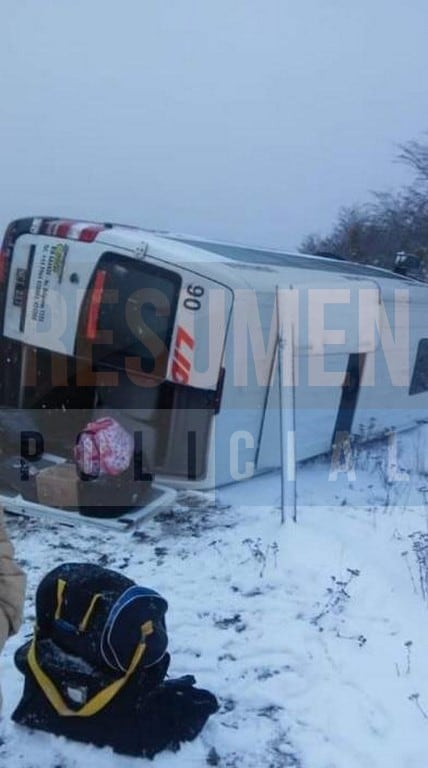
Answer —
(129, 313)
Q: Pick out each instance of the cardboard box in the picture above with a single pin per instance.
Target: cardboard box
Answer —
(58, 486)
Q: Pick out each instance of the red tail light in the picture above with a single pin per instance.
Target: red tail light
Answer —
(58, 227)
(62, 229)
(88, 234)
(94, 306)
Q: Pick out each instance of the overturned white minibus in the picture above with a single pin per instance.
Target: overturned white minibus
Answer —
(176, 338)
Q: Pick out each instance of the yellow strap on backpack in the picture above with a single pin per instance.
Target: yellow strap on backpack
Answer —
(102, 698)
(84, 623)
(60, 587)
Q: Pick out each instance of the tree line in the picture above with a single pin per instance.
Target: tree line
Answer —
(391, 223)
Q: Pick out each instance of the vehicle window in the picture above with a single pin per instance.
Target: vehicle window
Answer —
(419, 381)
(129, 313)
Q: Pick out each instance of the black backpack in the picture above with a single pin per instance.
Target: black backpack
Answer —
(95, 669)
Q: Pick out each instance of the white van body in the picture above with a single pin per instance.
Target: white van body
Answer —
(177, 339)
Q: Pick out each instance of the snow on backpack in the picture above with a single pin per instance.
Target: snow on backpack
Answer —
(95, 668)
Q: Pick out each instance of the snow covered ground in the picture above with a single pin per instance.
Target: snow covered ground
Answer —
(312, 635)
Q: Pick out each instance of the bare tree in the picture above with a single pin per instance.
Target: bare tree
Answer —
(415, 154)
(375, 232)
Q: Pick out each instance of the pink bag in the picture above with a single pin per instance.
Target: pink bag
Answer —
(103, 448)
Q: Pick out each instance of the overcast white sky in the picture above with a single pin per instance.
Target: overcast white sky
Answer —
(247, 120)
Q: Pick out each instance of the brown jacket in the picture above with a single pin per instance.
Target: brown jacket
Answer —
(12, 588)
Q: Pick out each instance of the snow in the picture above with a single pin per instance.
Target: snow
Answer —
(312, 635)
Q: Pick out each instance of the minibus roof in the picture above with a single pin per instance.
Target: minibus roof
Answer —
(240, 265)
